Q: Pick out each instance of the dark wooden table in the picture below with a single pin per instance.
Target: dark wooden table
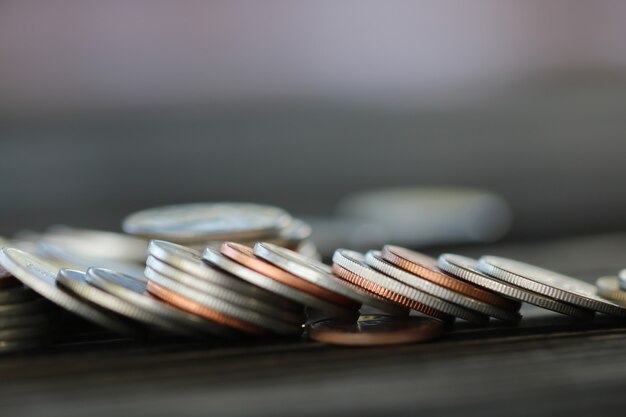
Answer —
(549, 365)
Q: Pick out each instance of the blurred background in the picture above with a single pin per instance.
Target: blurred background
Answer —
(110, 107)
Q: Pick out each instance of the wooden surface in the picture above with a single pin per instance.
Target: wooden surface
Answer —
(549, 365)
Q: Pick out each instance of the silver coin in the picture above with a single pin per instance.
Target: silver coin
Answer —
(321, 274)
(467, 269)
(207, 221)
(190, 261)
(16, 295)
(226, 308)
(97, 244)
(77, 282)
(134, 291)
(608, 287)
(243, 300)
(216, 258)
(357, 263)
(548, 283)
(74, 260)
(29, 320)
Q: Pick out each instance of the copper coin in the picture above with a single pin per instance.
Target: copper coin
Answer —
(195, 308)
(426, 267)
(246, 257)
(376, 330)
(381, 291)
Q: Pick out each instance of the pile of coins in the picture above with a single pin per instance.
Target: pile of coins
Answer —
(228, 289)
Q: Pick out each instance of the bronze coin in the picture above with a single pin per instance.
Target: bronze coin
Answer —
(426, 267)
(376, 330)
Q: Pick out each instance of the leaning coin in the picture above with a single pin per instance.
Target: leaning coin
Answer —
(321, 274)
(548, 283)
(376, 331)
(41, 277)
(608, 287)
(202, 222)
(229, 309)
(134, 292)
(190, 261)
(467, 269)
(245, 300)
(269, 283)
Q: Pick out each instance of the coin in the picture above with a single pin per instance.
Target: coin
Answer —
(608, 287)
(191, 262)
(354, 270)
(467, 269)
(376, 331)
(207, 221)
(268, 283)
(245, 256)
(234, 311)
(426, 267)
(321, 275)
(549, 283)
(243, 299)
(134, 292)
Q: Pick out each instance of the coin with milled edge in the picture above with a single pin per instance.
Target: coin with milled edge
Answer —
(268, 283)
(245, 256)
(376, 331)
(41, 277)
(191, 262)
(207, 221)
(229, 309)
(321, 274)
(608, 287)
(244, 300)
(426, 267)
(134, 291)
(467, 269)
(549, 283)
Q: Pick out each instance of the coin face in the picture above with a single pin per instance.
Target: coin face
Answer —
(207, 221)
(376, 331)
(549, 283)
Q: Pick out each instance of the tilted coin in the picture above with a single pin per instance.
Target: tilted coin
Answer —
(41, 277)
(134, 291)
(77, 282)
(321, 274)
(243, 299)
(245, 256)
(376, 261)
(207, 221)
(549, 283)
(221, 306)
(376, 331)
(426, 267)
(467, 269)
(268, 283)
(608, 287)
(190, 261)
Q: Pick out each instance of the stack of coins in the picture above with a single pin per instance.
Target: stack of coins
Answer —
(210, 224)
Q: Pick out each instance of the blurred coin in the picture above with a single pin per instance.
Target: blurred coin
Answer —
(16, 294)
(27, 320)
(202, 222)
(244, 299)
(548, 283)
(269, 283)
(321, 274)
(24, 307)
(608, 287)
(98, 244)
(135, 292)
(41, 277)
(245, 256)
(467, 269)
(197, 272)
(376, 331)
(426, 267)
(255, 319)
